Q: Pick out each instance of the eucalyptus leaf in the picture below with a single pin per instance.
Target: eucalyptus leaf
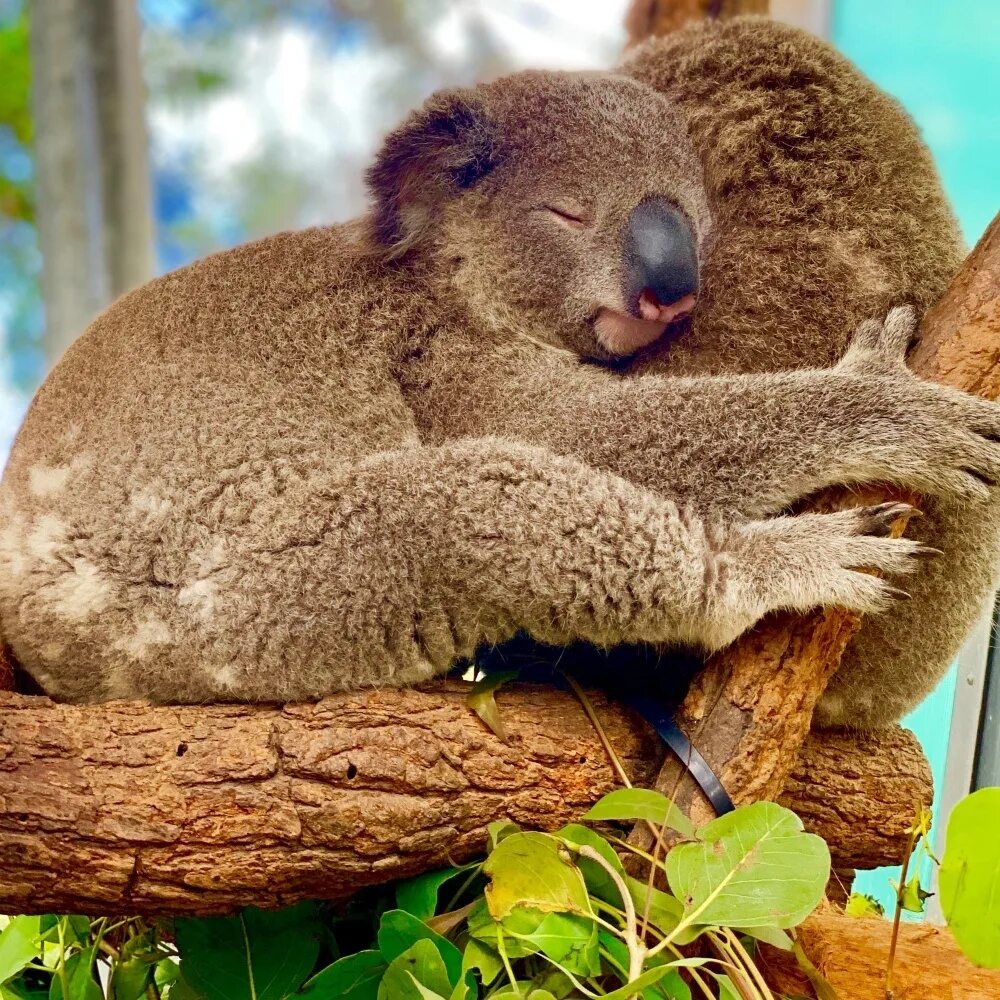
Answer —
(418, 969)
(754, 867)
(482, 700)
(598, 881)
(969, 879)
(399, 931)
(774, 936)
(18, 945)
(641, 803)
(499, 830)
(274, 951)
(533, 869)
(129, 979)
(79, 974)
(479, 956)
(648, 978)
(568, 939)
(354, 977)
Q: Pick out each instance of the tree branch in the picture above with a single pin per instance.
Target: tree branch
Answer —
(131, 808)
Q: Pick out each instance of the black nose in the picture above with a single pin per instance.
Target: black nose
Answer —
(659, 253)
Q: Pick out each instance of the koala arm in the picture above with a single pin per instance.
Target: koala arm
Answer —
(750, 443)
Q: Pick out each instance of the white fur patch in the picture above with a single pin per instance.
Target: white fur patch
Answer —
(149, 632)
(199, 597)
(13, 561)
(78, 593)
(225, 677)
(46, 537)
(147, 503)
(206, 559)
(51, 651)
(48, 480)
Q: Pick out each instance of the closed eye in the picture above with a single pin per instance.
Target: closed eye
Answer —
(572, 217)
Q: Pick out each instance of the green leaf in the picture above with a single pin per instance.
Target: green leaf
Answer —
(861, 906)
(419, 966)
(597, 879)
(641, 803)
(419, 895)
(482, 701)
(671, 986)
(969, 879)
(567, 939)
(482, 927)
(466, 989)
(354, 977)
(774, 936)
(500, 829)
(754, 867)
(533, 869)
(18, 946)
(80, 977)
(913, 896)
(480, 956)
(648, 978)
(665, 911)
(274, 951)
(129, 979)
(400, 930)
(727, 990)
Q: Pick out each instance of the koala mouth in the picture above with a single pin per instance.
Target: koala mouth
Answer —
(621, 334)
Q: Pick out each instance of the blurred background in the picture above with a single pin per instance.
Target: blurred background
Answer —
(136, 135)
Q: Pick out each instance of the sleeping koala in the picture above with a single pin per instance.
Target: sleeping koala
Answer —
(352, 455)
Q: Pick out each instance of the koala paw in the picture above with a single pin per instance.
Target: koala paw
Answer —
(819, 560)
(938, 440)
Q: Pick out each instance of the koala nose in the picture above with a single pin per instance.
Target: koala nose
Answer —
(660, 258)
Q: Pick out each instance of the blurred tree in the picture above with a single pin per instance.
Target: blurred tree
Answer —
(93, 192)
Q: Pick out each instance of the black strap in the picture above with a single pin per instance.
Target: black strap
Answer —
(671, 734)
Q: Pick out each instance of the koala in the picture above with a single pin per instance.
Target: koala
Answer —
(353, 455)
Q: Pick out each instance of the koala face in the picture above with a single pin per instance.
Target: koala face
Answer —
(567, 208)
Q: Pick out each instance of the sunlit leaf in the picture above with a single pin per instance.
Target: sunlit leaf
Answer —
(969, 878)
(18, 945)
(861, 906)
(752, 867)
(568, 939)
(482, 701)
(641, 803)
(421, 965)
(478, 955)
(533, 869)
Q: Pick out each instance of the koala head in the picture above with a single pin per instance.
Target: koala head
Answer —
(564, 207)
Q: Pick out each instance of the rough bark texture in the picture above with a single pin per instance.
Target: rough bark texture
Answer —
(852, 955)
(125, 807)
(858, 793)
(646, 18)
(750, 709)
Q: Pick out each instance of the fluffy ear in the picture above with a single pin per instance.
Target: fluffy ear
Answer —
(444, 147)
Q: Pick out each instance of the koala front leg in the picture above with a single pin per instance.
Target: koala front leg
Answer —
(393, 570)
(748, 443)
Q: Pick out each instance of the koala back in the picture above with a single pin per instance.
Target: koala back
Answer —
(827, 207)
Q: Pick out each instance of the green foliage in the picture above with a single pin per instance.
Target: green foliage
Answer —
(16, 194)
(970, 876)
(546, 916)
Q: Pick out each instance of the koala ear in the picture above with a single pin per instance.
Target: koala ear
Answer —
(444, 147)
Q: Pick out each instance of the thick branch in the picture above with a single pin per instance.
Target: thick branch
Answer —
(127, 807)
(852, 956)
(750, 709)
(646, 18)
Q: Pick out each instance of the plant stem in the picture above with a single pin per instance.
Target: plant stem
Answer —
(897, 916)
(636, 948)
(61, 967)
(749, 964)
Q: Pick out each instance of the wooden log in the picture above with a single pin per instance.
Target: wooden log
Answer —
(750, 709)
(131, 808)
(647, 18)
(852, 955)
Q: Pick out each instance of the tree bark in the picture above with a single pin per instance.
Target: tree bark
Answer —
(852, 955)
(131, 808)
(647, 18)
(750, 709)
